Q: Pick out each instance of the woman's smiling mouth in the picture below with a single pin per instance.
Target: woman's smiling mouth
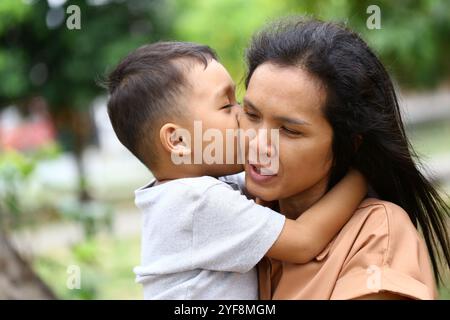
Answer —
(259, 174)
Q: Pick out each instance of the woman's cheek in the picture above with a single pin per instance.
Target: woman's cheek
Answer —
(244, 125)
(317, 160)
(290, 158)
(300, 157)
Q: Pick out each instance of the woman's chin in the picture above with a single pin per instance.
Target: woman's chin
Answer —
(260, 192)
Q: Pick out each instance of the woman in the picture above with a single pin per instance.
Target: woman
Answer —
(335, 107)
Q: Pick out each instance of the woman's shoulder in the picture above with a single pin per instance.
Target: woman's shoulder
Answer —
(381, 234)
(374, 213)
(377, 224)
(374, 206)
(385, 224)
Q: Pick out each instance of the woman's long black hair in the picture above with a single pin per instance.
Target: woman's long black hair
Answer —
(363, 110)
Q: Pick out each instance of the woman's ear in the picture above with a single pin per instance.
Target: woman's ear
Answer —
(357, 141)
(175, 140)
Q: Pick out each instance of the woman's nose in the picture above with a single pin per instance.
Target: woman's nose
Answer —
(262, 144)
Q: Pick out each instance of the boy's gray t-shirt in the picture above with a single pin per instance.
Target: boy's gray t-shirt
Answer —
(201, 239)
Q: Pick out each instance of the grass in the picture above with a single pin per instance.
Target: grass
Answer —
(105, 265)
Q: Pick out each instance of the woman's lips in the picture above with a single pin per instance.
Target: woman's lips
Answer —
(255, 174)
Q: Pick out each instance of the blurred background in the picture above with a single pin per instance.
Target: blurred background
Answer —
(68, 225)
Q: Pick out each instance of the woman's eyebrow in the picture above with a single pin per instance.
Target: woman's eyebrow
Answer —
(291, 120)
(250, 104)
(277, 118)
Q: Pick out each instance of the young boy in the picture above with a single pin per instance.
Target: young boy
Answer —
(202, 238)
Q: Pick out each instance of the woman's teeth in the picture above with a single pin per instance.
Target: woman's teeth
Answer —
(263, 171)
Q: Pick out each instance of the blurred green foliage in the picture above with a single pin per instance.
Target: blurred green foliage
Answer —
(68, 61)
(224, 25)
(15, 171)
(413, 41)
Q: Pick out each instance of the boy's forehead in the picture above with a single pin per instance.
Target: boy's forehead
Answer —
(214, 77)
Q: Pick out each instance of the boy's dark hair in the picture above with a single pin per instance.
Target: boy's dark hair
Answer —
(144, 91)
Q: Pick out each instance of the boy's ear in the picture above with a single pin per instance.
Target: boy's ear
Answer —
(175, 139)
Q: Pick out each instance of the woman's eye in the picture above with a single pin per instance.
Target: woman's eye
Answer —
(291, 132)
(251, 116)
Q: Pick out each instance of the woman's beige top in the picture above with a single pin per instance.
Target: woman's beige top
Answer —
(379, 249)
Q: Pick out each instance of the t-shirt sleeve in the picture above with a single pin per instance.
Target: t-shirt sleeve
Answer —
(388, 256)
(238, 180)
(231, 232)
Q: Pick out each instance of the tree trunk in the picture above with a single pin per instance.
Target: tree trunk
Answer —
(80, 127)
(17, 279)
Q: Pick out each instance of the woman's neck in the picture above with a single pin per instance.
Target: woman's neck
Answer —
(295, 205)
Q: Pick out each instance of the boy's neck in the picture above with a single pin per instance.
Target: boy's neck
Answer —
(158, 182)
(165, 175)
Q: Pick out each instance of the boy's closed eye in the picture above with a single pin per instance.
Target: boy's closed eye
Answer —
(227, 106)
